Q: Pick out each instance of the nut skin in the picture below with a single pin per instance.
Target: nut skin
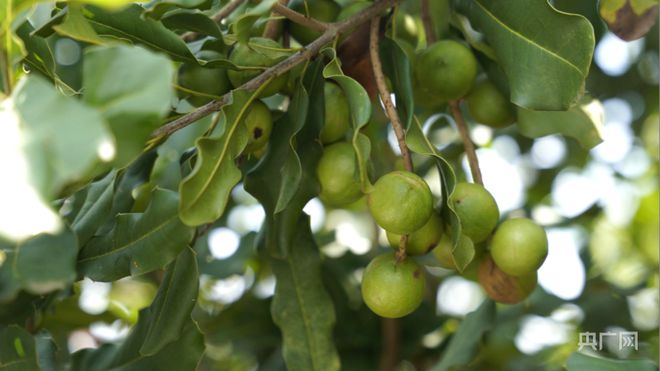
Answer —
(477, 210)
(336, 113)
(422, 240)
(447, 69)
(519, 246)
(259, 124)
(393, 289)
(488, 106)
(337, 175)
(504, 288)
(400, 202)
(249, 55)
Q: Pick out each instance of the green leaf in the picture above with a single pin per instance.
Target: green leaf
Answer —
(419, 143)
(360, 112)
(546, 69)
(57, 252)
(9, 286)
(583, 362)
(302, 308)
(205, 191)
(40, 56)
(397, 67)
(583, 122)
(132, 87)
(52, 140)
(139, 242)
(165, 337)
(163, 8)
(190, 20)
(163, 321)
(77, 27)
(62, 136)
(243, 24)
(284, 180)
(465, 342)
(129, 24)
(95, 209)
(17, 350)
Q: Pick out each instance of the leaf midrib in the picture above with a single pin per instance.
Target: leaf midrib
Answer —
(125, 246)
(529, 41)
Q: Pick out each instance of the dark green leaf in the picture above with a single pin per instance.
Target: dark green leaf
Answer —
(95, 209)
(546, 69)
(129, 24)
(287, 171)
(205, 191)
(397, 67)
(139, 242)
(302, 308)
(134, 107)
(76, 26)
(583, 122)
(165, 337)
(17, 350)
(582, 362)
(464, 344)
(192, 21)
(40, 57)
(57, 252)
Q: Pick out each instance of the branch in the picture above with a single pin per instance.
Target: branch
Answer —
(223, 13)
(5, 69)
(299, 18)
(428, 23)
(389, 356)
(467, 142)
(281, 68)
(273, 26)
(392, 114)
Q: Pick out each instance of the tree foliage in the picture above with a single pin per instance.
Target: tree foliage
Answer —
(142, 228)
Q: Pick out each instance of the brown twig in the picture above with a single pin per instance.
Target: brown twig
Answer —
(427, 22)
(385, 94)
(5, 69)
(281, 68)
(392, 114)
(389, 356)
(299, 18)
(223, 13)
(274, 25)
(467, 142)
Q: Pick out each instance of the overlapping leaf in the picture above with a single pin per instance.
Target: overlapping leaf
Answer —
(129, 24)
(464, 344)
(50, 144)
(583, 122)
(419, 143)
(284, 180)
(17, 350)
(138, 243)
(360, 111)
(205, 191)
(165, 337)
(302, 308)
(546, 69)
(132, 87)
(56, 251)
